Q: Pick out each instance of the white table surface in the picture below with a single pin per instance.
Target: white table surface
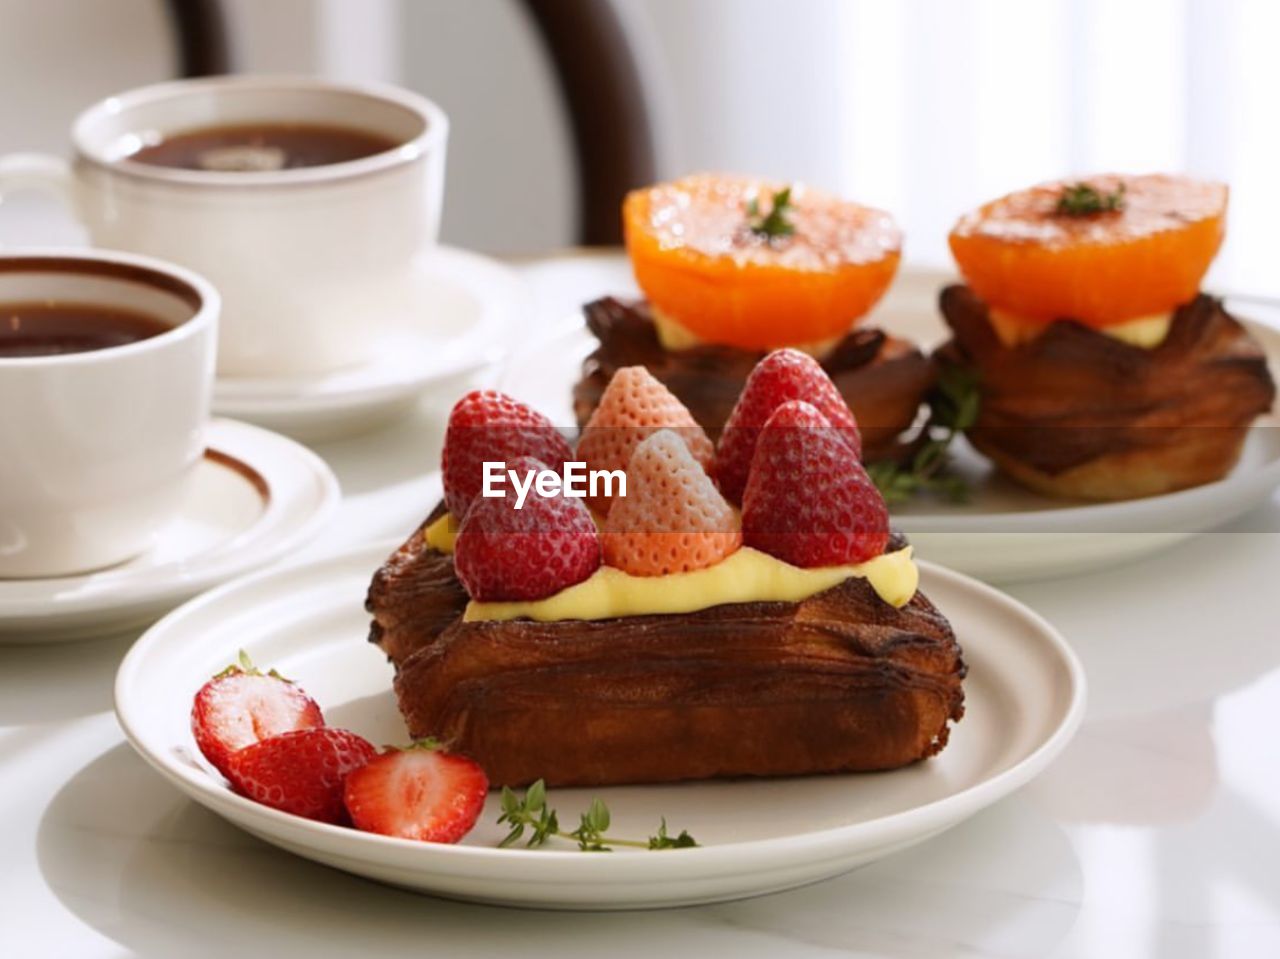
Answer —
(1156, 834)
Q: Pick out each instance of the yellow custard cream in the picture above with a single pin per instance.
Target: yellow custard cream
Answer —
(441, 534)
(675, 336)
(744, 577)
(1145, 332)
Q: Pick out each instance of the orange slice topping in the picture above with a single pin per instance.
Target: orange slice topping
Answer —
(709, 254)
(1104, 250)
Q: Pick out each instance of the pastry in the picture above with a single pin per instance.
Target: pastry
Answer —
(883, 378)
(1103, 372)
(732, 267)
(669, 635)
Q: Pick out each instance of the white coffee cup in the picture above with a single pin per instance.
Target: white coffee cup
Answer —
(96, 446)
(313, 263)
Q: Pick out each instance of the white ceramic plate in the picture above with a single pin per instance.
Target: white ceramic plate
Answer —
(1024, 699)
(465, 304)
(254, 498)
(1003, 533)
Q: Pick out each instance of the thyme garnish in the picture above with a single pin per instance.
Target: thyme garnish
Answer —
(532, 813)
(1082, 199)
(954, 409)
(773, 224)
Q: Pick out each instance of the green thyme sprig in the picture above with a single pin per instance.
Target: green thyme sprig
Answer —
(532, 814)
(1082, 199)
(773, 224)
(955, 405)
(661, 840)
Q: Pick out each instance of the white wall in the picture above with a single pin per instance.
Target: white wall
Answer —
(56, 58)
(745, 85)
(59, 56)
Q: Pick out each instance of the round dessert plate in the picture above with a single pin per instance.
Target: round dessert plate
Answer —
(1024, 699)
(254, 498)
(464, 305)
(1002, 533)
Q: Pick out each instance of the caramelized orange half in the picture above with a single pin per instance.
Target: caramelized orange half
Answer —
(1024, 254)
(699, 261)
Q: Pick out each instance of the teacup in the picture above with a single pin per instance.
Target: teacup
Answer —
(313, 262)
(106, 376)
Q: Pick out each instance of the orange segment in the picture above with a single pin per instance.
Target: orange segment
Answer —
(1021, 255)
(699, 262)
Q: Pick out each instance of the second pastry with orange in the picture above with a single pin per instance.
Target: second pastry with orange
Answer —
(732, 267)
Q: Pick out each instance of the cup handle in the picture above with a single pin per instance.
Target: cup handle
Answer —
(35, 171)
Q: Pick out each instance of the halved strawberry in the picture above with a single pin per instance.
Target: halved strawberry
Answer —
(242, 705)
(809, 502)
(781, 376)
(300, 772)
(489, 426)
(504, 553)
(421, 792)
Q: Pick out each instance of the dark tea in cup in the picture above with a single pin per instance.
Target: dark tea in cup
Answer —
(261, 147)
(50, 328)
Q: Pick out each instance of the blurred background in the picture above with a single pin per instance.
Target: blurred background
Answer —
(924, 107)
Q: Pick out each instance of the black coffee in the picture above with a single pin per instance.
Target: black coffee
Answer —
(262, 147)
(49, 328)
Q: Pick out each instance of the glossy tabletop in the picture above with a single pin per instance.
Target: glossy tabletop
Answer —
(1157, 833)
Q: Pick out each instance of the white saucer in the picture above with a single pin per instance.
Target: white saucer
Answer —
(1024, 699)
(469, 303)
(254, 498)
(1002, 533)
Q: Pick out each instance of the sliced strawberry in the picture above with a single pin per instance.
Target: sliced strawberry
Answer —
(809, 502)
(242, 705)
(421, 793)
(633, 407)
(781, 376)
(673, 519)
(504, 553)
(300, 772)
(489, 426)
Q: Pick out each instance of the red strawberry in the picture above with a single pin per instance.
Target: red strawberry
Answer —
(301, 772)
(504, 553)
(242, 705)
(421, 793)
(781, 376)
(673, 519)
(633, 407)
(489, 426)
(809, 502)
